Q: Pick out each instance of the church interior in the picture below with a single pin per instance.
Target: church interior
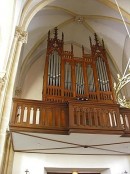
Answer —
(64, 87)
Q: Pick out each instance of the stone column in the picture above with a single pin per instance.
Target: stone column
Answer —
(19, 38)
(5, 76)
(7, 163)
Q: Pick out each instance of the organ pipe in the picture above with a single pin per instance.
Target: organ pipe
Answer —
(67, 77)
(102, 75)
(91, 85)
(54, 70)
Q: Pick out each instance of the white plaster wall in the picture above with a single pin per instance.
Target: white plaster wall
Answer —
(107, 171)
(36, 163)
(108, 30)
(33, 83)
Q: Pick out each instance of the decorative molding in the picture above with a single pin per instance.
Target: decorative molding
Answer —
(21, 34)
(2, 80)
(18, 92)
(17, 31)
(79, 19)
(23, 37)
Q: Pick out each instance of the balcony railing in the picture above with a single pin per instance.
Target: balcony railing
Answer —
(32, 115)
(63, 118)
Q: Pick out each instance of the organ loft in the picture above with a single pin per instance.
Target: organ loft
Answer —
(77, 95)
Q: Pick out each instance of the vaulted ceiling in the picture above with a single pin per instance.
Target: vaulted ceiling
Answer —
(78, 20)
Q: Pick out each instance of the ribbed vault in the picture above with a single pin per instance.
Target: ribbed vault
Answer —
(78, 21)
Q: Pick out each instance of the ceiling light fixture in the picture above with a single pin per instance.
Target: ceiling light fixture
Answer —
(74, 172)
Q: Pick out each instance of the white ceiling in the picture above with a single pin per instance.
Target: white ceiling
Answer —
(71, 144)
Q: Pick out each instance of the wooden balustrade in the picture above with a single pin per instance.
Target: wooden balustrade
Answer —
(125, 119)
(94, 118)
(74, 116)
(39, 116)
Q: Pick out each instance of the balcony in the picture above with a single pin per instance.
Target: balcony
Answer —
(72, 117)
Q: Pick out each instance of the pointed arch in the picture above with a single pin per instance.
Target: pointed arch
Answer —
(33, 12)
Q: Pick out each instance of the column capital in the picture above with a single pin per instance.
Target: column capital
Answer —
(23, 37)
(21, 34)
(2, 80)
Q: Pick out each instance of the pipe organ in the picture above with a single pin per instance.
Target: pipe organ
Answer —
(81, 78)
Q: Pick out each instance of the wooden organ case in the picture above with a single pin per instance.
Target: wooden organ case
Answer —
(81, 78)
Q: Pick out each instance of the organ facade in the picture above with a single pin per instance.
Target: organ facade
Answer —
(67, 77)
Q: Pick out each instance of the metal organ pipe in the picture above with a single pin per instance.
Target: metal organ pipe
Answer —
(65, 75)
(88, 75)
(74, 71)
(101, 73)
(54, 69)
(59, 70)
(91, 78)
(91, 84)
(51, 77)
(76, 78)
(98, 71)
(79, 79)
(49, 70)
(82, 80)
(107, 79)
(104, 75)
(69, 76)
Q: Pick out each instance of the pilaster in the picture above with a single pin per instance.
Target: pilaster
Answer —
(20, 37)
